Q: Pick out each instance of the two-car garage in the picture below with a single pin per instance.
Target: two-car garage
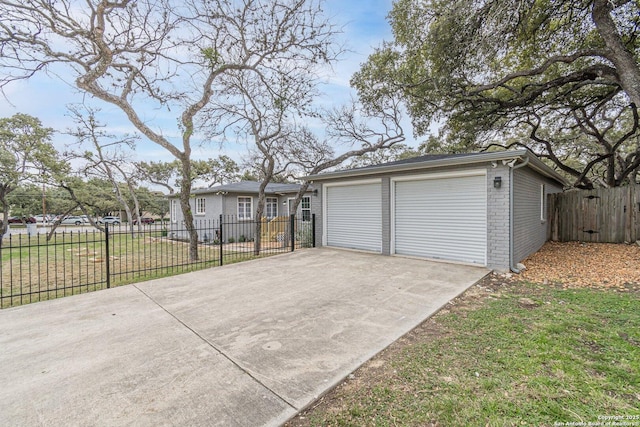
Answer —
(439, 216)
(474, 208)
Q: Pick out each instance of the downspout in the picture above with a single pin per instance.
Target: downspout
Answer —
(512, 167)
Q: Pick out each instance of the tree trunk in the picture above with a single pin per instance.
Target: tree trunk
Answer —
(611, 171)
(55, 224)
(187, 214)
(5, 189)
(624, 61)
(257, 242)
(303, 189)
(135, 214)
(5, 217)
(268, 166)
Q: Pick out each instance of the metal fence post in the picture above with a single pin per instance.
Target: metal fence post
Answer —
(107, 259)
(292, 229)
(313, 230)
(220, 240)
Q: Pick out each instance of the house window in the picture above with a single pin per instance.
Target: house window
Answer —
(543, 208)
(245, 210)
(200, 206)
(271, 207)
(174, 211)
(305, 205)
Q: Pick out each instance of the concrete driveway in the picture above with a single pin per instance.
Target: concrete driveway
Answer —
(246, 344)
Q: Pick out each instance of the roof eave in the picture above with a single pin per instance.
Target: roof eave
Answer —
(536, 163)
(540, 167)
(224, 192)
(427, 164)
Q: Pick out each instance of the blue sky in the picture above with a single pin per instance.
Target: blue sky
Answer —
(364, 27)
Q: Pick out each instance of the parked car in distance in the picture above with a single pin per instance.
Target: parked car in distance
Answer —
(144, 220)
(76, 220)
(109, 220)
(21, 220)
(44, 218)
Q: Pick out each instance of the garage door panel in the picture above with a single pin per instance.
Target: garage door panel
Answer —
(354, 216)
(442, 218)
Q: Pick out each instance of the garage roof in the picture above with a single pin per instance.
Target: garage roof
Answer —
(440, 160)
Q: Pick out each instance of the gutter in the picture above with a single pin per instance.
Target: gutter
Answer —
(513, 167)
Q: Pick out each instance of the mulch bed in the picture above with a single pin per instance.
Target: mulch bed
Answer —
(577, 264)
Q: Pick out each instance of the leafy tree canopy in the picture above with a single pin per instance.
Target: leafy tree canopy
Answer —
(26, 156)
(560, 77)
(213, 171)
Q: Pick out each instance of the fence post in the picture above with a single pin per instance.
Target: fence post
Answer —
(313, 230)
(292, 225)
(107, 259)
(220, 240)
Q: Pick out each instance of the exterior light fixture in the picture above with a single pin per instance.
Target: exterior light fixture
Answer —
(497, 182)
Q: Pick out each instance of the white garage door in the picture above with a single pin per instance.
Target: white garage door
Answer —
(354, 216)
(442, 218)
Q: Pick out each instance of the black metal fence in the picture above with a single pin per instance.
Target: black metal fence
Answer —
(84, 259)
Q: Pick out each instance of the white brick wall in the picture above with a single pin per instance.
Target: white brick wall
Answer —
(498, 219)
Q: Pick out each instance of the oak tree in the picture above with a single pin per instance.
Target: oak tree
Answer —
(559, 77)
(26, 156)
(155, 58)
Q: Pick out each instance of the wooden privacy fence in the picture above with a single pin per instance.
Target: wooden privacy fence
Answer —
(606, 215)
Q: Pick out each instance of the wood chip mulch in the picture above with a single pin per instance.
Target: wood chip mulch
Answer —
(577, 264)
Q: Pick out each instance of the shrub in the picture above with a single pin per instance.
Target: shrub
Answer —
(304, 235)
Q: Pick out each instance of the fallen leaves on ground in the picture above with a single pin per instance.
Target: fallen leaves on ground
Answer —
(576, 264)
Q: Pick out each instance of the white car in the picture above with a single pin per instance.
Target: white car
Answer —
(42, 218)
(109, 220)
(76, 220)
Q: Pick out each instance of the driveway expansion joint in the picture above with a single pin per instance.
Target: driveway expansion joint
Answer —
(218, 350)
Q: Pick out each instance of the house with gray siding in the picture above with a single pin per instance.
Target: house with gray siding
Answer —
(486, 209)
(237, 204)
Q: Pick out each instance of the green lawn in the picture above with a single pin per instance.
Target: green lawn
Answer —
(573, 356)
(34, 269)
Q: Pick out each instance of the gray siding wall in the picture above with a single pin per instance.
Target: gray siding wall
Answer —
(247, 228)
(530, 231)
(498, 218)
(205, 223)
(213, 209)
(227, 205)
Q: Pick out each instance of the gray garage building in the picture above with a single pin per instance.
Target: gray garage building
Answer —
(486, 209)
